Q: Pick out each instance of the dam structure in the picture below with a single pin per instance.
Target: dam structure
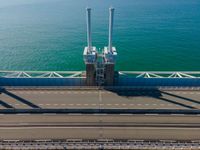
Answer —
(100, 107)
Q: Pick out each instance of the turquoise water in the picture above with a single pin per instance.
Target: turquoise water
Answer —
(148, 34)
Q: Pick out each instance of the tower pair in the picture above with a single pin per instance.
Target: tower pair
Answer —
(91, 55)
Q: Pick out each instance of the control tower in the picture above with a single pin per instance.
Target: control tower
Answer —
(110, 53)
(89, 53)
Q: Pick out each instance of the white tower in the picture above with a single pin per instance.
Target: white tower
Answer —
(110, 53)
(89, 53)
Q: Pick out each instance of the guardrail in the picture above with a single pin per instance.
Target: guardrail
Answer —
(99, 111)
(99, 144)
(65, 74)
(78, 79)
(41, 74)
(161, 74)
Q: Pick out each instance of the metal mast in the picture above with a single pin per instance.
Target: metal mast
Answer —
(88, 20)
(111, 17)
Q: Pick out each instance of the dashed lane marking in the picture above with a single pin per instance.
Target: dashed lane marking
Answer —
(101, 104)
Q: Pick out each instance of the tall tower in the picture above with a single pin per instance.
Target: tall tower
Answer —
(89, 53)
(110, 53)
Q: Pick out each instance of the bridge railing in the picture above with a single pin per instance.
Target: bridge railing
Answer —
(78, 78)
(161, 74)
(41, 74)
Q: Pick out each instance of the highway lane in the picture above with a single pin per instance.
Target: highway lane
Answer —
(144, 99)
(138, 127)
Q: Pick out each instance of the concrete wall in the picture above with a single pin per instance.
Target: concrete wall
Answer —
(42, 81)
(109, 74)
(90, 74)
(121, 81)
(131, 81)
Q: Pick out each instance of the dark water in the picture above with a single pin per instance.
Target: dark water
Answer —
(148, 34)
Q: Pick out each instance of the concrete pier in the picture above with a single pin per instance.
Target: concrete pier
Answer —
(109, 74)
(90, 74)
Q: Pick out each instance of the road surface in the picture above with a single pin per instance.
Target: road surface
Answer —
(136, 127)
(139, 99)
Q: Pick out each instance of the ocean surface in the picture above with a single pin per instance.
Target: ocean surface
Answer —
(157, 35)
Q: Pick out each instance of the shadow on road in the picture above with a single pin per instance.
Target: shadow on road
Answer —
(18, 98)
(6, 105)
(157, 94)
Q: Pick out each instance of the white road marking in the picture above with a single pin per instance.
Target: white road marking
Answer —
(22, 128)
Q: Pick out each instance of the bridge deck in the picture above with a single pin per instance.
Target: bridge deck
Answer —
(144, 99)
(137, 127)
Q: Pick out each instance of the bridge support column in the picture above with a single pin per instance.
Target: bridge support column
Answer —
(90, 74)
(109, 74)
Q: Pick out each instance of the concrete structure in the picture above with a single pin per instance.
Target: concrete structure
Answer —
(110, 53)
(99, 67)
(90, 53)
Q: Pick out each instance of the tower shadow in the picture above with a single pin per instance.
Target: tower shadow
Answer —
(18, 98)
(154, 93)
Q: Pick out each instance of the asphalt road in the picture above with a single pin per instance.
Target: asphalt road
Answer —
(142, 99)
(137, 127)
